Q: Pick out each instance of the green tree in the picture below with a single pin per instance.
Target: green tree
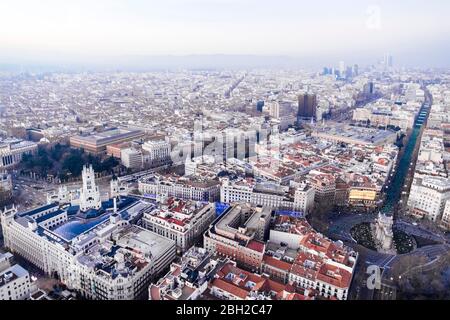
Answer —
(74, 164)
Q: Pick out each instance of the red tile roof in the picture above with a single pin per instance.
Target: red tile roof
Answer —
(230, 288)
(237, 285)
(256, 246)
(335, 276)
(276, 263)
(155, 293)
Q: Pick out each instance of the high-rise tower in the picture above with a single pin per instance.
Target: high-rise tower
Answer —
(307, 105)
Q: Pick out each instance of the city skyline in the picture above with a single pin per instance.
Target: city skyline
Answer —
(232, 153)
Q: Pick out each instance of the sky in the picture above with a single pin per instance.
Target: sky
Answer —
(415, 32)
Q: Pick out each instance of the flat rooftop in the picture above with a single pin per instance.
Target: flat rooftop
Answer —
(108, 136)
(11, 274)
(143, 241)
(134, 248)
(368, 135)
(230, 223)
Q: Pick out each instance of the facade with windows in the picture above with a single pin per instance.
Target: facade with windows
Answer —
(181, 221)
(15, 283)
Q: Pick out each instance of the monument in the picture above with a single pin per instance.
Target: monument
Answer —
(383, 234)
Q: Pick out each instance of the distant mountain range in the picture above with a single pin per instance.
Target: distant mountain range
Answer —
(157, 62)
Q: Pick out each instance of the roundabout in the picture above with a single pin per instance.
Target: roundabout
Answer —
(403, 242)
(362, 234)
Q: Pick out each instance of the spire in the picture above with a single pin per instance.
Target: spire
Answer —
(89, 193)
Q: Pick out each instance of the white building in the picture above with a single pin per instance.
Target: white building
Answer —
(64, 195)
(99, 253)
(6, 261)
(428, 197)
(181, 221)
(112, 261)
(131, 158)
(304, 198)
(15, 283)
(187, 188)
(12, 151)
(446, 216)
(156, 153)
(298, 198)
(385, 117)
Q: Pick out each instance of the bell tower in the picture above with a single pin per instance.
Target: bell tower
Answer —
(89, 194)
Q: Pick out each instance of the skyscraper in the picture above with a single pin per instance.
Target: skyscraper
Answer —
(342, 68)
(388, 61)
(369, 89)
(260, 106)
(349, 72)
(281, 109)
(307, 105)
(327, 71)
(355, 69)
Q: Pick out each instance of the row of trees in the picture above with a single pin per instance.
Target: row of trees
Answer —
(432, 282)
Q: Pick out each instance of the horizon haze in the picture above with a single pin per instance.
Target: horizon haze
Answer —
(174, 33)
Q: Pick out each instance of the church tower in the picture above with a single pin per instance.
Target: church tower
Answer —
(115, 190)
(89, 193)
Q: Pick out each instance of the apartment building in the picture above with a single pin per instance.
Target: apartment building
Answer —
(15, 282)
(234, 283)
(181, 221)
(188, 188)
(239, 234)
(428, 197)
(189, 278)
(298, 255)
(299, 197)
(156, 153)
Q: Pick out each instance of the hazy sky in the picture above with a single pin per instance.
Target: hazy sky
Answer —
(415, 31)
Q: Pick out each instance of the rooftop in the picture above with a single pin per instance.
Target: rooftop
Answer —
(246, 224)
(108, 136)
(12, 273)
(74, 224)
(133, 250)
